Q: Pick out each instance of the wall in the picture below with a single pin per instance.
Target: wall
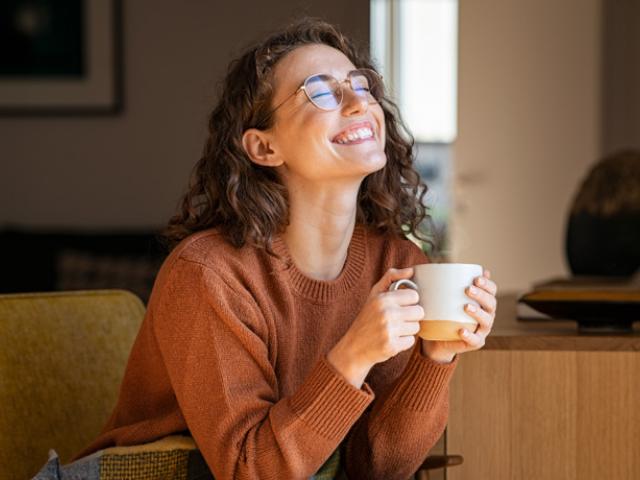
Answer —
(621, 75)
(129, 170)
(529, 126)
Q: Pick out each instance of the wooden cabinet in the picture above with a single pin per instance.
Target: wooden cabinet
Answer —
(542, 402)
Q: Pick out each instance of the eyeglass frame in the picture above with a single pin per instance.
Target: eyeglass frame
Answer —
(340, 83)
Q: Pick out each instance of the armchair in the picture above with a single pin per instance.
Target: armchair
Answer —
(62, 357)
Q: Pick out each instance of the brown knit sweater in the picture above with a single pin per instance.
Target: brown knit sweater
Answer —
(233, 349)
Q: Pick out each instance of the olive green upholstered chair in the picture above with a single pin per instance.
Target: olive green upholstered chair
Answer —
(62, 358)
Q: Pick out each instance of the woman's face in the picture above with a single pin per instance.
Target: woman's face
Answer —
(312, 143)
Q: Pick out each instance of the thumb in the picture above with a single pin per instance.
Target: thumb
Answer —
(389, 277)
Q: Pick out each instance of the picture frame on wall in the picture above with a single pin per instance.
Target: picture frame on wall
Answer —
(60, 58)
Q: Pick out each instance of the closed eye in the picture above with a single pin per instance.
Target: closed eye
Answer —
(321, 94)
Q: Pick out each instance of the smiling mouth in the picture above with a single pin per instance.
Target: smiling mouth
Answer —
(354, 136)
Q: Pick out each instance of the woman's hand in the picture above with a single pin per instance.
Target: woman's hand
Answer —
(484, 292)
(386, 326)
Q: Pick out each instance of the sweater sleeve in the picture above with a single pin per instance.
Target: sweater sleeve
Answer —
(215, 347)
(392, 439)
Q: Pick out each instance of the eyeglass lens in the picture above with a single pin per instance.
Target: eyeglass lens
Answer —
(325, 91)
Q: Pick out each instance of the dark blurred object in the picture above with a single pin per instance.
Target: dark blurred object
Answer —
(42, 38)
(597, 304)
(603, 234)
(61, 58)
(603, 251)
(40, 260)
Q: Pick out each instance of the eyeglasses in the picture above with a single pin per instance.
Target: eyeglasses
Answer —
(325, 91)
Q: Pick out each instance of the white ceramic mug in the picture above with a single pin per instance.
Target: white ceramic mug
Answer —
(441, 287)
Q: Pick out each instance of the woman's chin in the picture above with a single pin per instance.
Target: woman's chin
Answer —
(371, 161)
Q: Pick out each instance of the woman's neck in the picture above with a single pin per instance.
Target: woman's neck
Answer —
(319, 232)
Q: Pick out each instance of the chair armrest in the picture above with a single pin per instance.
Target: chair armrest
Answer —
(441, 461)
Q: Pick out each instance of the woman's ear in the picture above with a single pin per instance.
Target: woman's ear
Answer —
(258, 146)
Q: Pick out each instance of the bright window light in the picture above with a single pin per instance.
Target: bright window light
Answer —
(415, 44)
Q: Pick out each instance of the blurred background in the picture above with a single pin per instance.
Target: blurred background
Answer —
(103, 114)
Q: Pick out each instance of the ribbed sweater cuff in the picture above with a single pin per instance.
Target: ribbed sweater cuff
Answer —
(423, 382)
(328, 403)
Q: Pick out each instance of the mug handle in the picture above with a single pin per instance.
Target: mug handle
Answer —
(398, 283)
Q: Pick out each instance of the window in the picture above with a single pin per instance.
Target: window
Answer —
(414, 43)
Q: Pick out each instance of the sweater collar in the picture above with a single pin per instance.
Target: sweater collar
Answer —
(323, 291)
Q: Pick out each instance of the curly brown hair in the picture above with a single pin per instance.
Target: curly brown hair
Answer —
(247, 202)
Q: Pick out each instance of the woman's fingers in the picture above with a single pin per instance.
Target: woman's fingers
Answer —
(484, 319)
(408, 328)
(474, 341)
(405, 343)
(413, 313)
(484, 298)
(402, 297)
(487, 285)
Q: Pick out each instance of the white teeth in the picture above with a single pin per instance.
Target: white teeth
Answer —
(365, 133)
(359, 134)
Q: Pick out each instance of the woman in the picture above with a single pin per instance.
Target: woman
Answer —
(273, 309)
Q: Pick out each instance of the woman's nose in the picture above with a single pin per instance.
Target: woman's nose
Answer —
(352, 103)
